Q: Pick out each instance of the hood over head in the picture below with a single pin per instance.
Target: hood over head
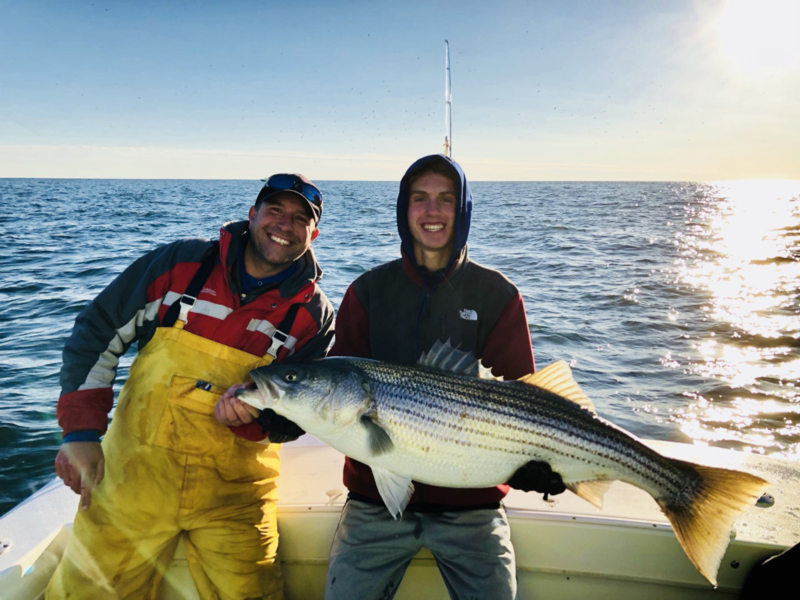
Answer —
(463, 207)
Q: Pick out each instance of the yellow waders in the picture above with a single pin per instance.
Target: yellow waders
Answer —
(171, 469)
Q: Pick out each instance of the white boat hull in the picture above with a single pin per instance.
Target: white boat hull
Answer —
(565, 548)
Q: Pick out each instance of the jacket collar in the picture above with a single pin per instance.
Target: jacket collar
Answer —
(430, 281)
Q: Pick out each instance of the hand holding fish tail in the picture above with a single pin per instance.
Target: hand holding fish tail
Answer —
(537, 476)
(81, 465)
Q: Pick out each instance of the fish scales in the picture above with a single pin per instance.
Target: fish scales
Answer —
(547, 425)
(435, 424)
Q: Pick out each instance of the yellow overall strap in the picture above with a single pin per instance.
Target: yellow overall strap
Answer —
(178, 313)
(281, 335)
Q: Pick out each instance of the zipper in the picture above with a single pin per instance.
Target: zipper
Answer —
(426, 296)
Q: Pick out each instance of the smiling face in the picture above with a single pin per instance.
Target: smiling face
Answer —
(431, 218)
(281, 230)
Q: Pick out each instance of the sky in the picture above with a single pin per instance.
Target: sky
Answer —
(663, 90)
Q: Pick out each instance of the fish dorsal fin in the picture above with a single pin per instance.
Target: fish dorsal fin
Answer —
(557, 378)
(443, 356)
(395, 490)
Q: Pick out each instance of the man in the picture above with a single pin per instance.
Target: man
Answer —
(394, 313)
(204, 315)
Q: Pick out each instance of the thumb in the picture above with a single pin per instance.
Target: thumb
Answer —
(100, 471)
(89, 481)
(86, 496)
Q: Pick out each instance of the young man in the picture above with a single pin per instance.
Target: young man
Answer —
(394, 313)
(204, 315)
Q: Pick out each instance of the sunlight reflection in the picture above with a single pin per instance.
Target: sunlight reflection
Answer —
(742, 247)
(747, 421)
(751, 259)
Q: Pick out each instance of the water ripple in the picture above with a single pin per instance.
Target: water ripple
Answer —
(676, 304)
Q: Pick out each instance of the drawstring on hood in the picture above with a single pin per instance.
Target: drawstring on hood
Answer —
(463, 215)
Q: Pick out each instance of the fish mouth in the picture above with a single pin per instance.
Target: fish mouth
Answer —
(272, 392)
(266, 395)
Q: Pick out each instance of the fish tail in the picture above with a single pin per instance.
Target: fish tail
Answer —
(703, 512)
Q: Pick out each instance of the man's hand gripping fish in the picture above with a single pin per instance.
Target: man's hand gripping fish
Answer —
(449, 422)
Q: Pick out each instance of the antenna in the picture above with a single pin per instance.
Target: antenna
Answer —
(448, 103)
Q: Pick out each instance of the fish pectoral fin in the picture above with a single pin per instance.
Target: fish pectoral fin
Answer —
(591, 491)
(377, 438)
(557, 378)
(395, 490)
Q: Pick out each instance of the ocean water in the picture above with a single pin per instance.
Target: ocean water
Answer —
(676, 304)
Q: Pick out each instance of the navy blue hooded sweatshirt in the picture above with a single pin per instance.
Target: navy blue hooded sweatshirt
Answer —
(398, 310)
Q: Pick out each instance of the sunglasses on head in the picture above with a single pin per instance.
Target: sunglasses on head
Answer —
(290, 182)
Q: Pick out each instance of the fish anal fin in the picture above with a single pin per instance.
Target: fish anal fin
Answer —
(591, 491)
(395, 490)
(377, 438)
(703, 523)
(557, 378)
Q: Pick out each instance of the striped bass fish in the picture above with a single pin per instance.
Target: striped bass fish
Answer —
(448, 422)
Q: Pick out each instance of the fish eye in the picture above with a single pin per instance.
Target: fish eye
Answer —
(291, 377)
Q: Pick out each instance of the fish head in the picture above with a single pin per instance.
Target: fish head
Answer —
(320, 396)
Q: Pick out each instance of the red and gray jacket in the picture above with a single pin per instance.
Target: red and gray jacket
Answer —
(397, 311)
(131, 308)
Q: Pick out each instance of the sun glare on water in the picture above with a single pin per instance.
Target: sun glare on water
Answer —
(754, 240)
(760, 36)
(742, 250)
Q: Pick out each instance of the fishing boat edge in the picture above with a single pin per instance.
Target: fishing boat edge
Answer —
(565, 547)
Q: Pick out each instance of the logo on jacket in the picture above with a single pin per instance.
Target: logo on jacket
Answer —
(468, 314)
(209, 291)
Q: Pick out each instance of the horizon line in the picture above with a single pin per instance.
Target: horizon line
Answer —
(711, 180)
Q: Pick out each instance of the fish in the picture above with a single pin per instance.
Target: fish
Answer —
(447, 421)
